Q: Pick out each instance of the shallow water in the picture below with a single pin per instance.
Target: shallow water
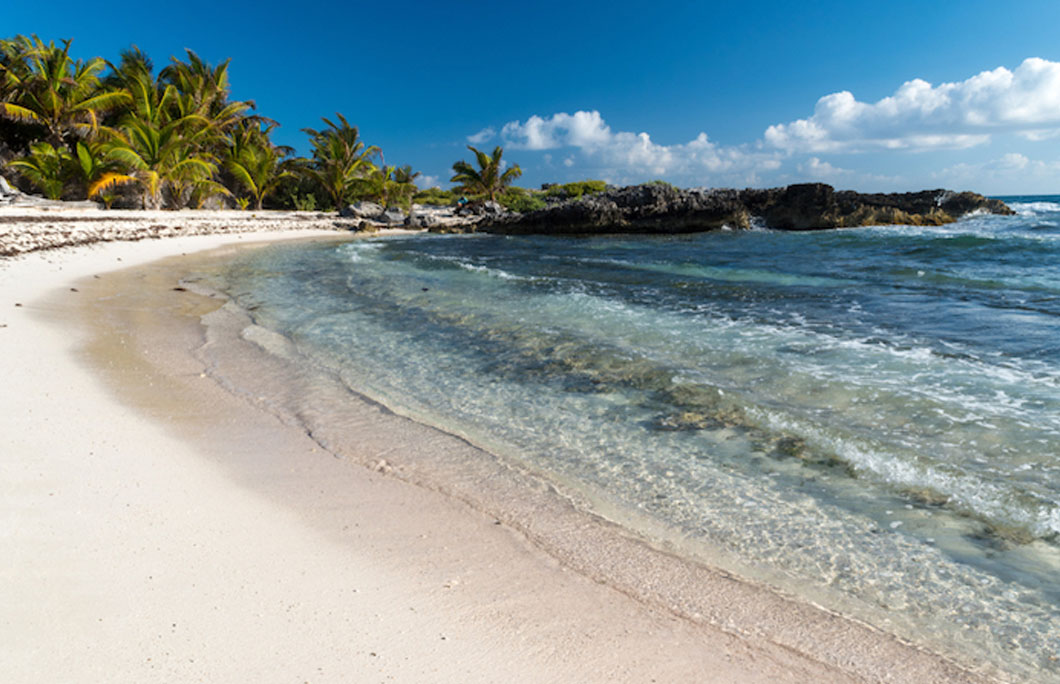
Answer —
(869, 417)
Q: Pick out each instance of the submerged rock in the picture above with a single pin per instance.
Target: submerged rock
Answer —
(663, 209)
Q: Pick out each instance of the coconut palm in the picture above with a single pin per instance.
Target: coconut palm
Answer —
(339, 160)
(46, 167)
(255, 163)
(204, 91)
(165, 159)
(376, 184)
(488, 179)
(45, 86)
(95, 171)
(405, 184)
(134, 74)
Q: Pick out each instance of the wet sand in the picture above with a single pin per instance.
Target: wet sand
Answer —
(160, 528)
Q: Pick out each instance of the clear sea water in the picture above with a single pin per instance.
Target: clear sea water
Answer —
(870, 417)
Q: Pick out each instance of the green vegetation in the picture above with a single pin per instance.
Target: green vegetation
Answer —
(521, 200)
(257, 166)
(94, 129)
(125, 135)
(487, 180)
(576, 189)
(340, 160)
(436, 196)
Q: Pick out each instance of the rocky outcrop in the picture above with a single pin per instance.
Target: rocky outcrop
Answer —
(372, 217)
(814, 206)
(661, 209)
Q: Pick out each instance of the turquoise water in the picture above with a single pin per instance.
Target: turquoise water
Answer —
(869, 417)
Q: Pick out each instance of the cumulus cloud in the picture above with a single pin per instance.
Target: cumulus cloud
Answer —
(482, 136)
(820, 170)
(1012, 173)
(628, 153)
(426, 181)
(922, 116)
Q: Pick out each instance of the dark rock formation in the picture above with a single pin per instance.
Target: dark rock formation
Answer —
(813, 206)
(662, 209)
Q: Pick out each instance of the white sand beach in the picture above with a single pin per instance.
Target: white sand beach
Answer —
(156, 528)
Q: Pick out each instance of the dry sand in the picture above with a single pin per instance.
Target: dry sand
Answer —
(153, 527)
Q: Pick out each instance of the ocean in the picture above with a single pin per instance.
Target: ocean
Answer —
(868, 417)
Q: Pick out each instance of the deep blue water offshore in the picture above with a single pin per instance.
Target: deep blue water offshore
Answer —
(868, 416)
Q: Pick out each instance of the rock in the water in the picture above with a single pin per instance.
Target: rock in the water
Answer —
(661, 208)
(812, 206)
(362, 210)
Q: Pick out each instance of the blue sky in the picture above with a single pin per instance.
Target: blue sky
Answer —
(875, 96)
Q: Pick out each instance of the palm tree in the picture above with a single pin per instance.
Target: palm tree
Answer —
(405, 184)
(45, 86)
(487, 179)
(95, 171)
(339, 159)
(255, 163)
(172, 153)
(46, 166)
(204, 91)
(166, 158)
(388, 184)
(376, 184)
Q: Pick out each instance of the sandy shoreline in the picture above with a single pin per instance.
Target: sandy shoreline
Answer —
(160, 529)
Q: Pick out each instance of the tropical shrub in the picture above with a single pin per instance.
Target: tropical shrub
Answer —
(435, 196)
(576, 189)
(46, 167)
(521, 200)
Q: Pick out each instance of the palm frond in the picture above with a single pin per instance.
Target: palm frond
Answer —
(107, 181)
(18, 113)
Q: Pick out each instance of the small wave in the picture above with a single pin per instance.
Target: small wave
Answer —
(1034, 208)
(990, 501)
(361, 250)
(495, 272)
(479, 268)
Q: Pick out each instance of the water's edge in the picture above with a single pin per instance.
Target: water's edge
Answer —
(571, 525)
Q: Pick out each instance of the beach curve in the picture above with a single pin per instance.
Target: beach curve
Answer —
(91, 485)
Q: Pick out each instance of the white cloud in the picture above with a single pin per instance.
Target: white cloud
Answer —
(921, 116)
(482, 136)
(816, 169)
(627, 154)
(423, 182)
(1011, 173)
